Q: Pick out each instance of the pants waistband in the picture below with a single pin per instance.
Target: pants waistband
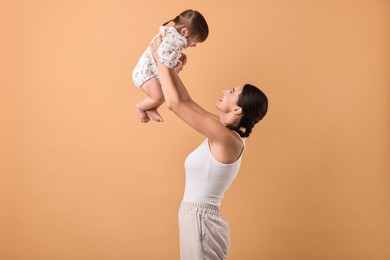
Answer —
(200, 207)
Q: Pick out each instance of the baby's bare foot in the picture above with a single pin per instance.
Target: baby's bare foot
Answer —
(143, 117)
(153, 114)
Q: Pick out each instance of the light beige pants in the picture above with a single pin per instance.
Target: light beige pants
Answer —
(204, 233)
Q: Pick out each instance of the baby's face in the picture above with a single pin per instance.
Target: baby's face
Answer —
(191, 41)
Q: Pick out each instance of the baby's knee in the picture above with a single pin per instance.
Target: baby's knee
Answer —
(159, 98)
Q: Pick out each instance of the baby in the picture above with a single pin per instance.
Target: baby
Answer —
(189, 28)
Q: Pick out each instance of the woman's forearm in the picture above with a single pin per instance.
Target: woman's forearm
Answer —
(181, 89)
(168, 84)
(185, 96)
(173, 89)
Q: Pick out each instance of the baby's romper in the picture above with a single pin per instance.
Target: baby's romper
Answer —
(169, 53)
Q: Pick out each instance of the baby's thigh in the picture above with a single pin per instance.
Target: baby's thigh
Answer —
(152, 87)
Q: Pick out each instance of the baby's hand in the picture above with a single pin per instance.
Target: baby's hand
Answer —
(178, 67)
(183, 59)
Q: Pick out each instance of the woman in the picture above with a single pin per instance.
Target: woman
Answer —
(211, 168)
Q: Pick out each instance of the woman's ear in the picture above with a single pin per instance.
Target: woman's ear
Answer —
(237, 110)
(184, 32)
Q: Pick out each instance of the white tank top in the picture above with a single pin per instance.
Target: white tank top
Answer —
(206, 178)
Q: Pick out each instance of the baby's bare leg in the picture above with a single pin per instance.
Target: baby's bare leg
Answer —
(154, 114)
(148, 107)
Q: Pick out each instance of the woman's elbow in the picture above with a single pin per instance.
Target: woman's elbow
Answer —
(176, 105)
(172, 105)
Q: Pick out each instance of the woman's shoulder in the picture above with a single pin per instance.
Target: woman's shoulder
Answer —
(229, 139)
(228, 149)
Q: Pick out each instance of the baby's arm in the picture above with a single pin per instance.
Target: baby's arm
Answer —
(169, 52)
(180, 64)
(183, 59)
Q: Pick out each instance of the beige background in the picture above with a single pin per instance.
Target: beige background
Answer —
(82, 179)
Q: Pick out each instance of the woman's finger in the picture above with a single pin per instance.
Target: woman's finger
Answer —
(159, 39)
(156, 42)
(164, 32)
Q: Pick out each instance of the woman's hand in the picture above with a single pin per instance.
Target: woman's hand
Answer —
(154, 45)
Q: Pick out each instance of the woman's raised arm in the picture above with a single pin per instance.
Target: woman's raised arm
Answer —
(185, 96)
(179, 101)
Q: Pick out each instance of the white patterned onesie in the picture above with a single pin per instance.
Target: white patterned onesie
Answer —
(169, 53)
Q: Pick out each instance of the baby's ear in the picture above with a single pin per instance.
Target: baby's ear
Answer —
(184, 32)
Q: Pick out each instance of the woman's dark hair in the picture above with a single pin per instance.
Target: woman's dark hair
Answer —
(194, 22)
(254, 105)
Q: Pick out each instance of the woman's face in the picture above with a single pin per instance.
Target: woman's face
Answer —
(228, 101)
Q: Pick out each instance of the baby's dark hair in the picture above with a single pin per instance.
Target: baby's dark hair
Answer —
(194, 22)
(254, 105)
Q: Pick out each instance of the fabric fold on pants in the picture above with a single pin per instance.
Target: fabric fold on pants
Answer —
(203, 231)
